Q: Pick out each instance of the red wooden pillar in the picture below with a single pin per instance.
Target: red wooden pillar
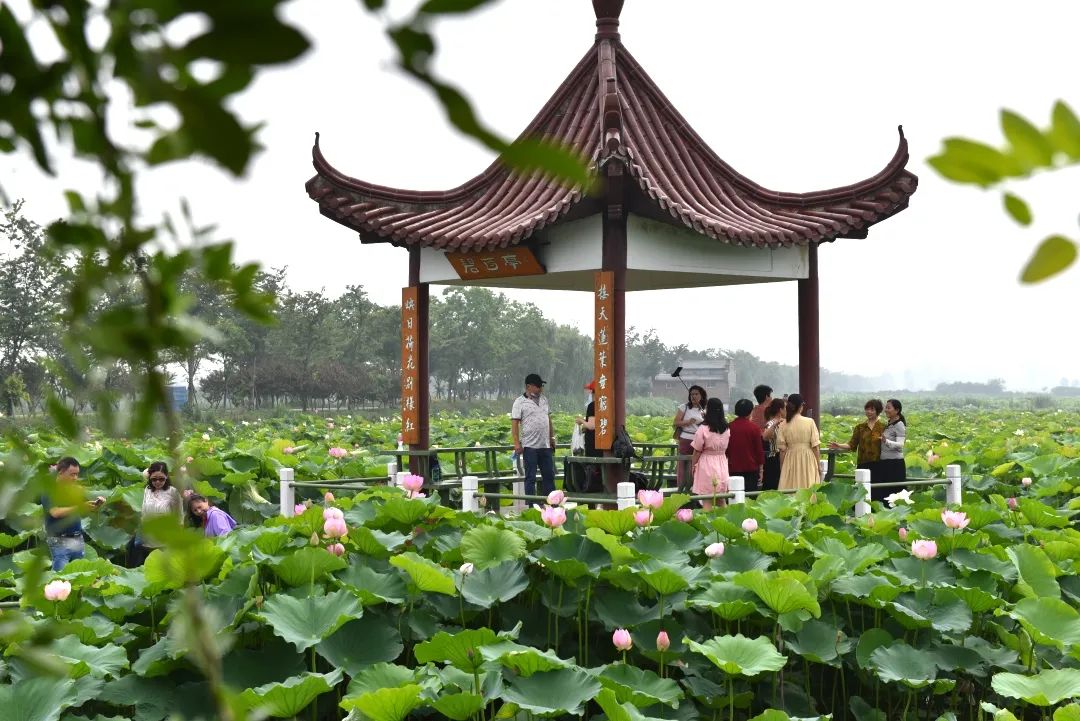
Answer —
(418, 464)
(614, 260)
(809, 343)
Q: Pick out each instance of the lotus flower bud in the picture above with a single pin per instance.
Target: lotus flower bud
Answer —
(663, 643)
(643, 517)
(621, 639)
(924, 549)
(57, 590)
(749, 525)
(336, 548)
(466, 569)
(685, 515)
(556, 498)
(714, 550)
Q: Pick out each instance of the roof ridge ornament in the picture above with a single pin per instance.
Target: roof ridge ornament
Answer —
(607, 18)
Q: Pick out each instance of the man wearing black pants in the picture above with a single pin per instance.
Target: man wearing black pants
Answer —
(530, 424)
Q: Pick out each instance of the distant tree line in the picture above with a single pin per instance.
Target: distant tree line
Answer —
(323, 352)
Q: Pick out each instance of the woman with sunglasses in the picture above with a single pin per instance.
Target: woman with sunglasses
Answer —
(159, 499)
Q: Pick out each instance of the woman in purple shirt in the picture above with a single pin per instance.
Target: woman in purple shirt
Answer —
(215, 521)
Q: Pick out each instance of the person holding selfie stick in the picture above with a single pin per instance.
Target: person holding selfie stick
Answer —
(63, 514)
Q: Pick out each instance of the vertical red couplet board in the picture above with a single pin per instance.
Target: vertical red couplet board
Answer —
(410, 375)
(604, 359)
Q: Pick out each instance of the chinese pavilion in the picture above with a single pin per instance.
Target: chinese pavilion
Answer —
(665, 212)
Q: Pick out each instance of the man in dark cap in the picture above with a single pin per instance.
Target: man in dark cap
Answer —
(530, 425)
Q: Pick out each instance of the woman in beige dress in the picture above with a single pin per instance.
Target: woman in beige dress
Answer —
(799, 447)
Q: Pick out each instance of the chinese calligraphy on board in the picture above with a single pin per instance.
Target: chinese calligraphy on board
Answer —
(501, 263)
(410, 375)
(604, 360)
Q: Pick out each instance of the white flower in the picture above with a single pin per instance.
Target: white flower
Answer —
(466, 569)
(893, 498)
(1018, 432)
(206, 436)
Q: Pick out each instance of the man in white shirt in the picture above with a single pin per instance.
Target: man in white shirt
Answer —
(530, 425)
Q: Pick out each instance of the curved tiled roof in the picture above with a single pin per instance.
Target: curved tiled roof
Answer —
(681, 180)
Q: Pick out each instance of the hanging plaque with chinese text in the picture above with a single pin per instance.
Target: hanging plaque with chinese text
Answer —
(501, 263)
(604, 360)
(410, 374)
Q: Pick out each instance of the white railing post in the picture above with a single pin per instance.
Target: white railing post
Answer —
(286, 491)
(469, 485)
(391, 472)
(624, 495)
(519, 506)
(862, 480)
(954, 492)
(823, 468)
(737, 486)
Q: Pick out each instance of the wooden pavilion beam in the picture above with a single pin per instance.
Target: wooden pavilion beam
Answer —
(418, 464)
(809, 340)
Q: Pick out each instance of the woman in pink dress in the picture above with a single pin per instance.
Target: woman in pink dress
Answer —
(710, 459)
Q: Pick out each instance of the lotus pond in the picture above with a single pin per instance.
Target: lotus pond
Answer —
(784, 607)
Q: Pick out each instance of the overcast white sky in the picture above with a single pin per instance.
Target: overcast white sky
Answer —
(797, 96)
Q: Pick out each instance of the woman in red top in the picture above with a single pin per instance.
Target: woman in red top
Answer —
(745, 451)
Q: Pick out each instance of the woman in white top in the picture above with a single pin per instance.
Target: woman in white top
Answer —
(891, 467)
(687, 419)
(159, 499)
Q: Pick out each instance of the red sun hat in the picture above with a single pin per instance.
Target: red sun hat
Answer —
(590, 386)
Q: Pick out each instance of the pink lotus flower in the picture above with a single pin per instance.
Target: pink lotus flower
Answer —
(714, 550)
(335, 527)
(190, 459)
(412, 482)
(556, 498)
(288, 450)
(650, 499)
(298, 509)
(621, 639)
(553, 516)
(902, 532)
(932, 457)
(956, 520)
(749, 525)
(643, 517)
(329, 513)
(336, 452)
(924, 549)
(328, 497)
(663, 643)
(57, 590)
(330, 425)
(1013, 504)
(1025, 482)
(417, 494)
(336, 548)
(685, 515)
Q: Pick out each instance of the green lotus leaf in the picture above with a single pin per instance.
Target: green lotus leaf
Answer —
(619, 553)
(487, 546)
(820, 642)
(373, 587)
(617, 523)
(725, 599)
(305, 622)
(1040, 515)
(950, 657)
(738, 655)
(1037, 573)
(1045, 688)
(867, 586)
(862, 711)
(459, 706)
(683, 535)
(618, 608)
(938, 608)
(362, 642)
(978, 600)
(976, 561)
(307, 565)
(900, 662)
(385, 704)
(176, 567)
(426, 575)
(739, 558)
(777, 715)
(461, 649)
(857, 559)
(405, 511)
(99, 662)
(772, 542)
(663, 579)
(551, 693)
(1067, 713)
(1051, 620)
(494, 584)
(368, 543)
(274, 660)
(871, 640)
(782, 593)
(36, 699)
(998, 714)
(616, 711)
(381, 675)
(524, 660)
(657, 546)
(916, 572)
(286, 699)
(641, 687)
